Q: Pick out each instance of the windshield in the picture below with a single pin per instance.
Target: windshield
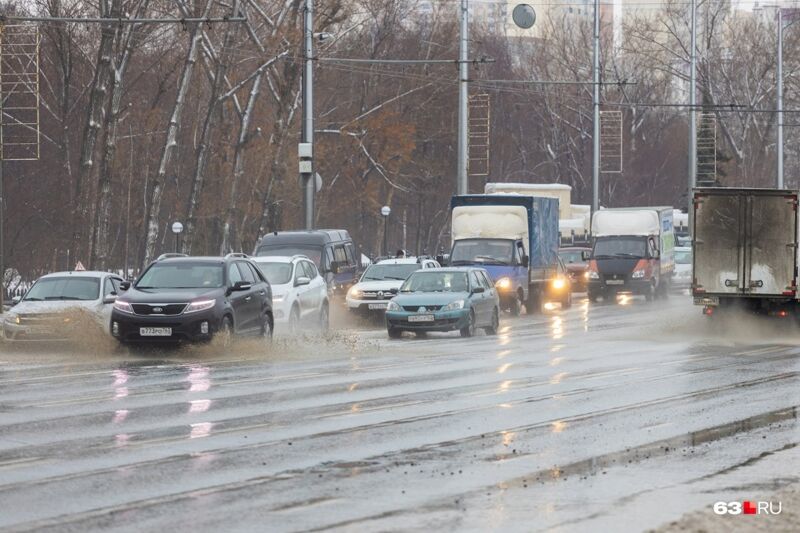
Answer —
(288, 250)
(571, 256)
(436, 282)
(620, 247)
(683, 257)
(487, 251)
(182, 275)
(276, 273)
(382, 272)
(66, 288)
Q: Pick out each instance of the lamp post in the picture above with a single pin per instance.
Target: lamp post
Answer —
(177, 229)
(385, 212)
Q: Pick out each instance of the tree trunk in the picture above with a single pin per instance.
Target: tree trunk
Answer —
(153, 211)
(94, 117)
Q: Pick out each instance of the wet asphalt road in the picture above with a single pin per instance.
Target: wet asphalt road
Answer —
(598, 418)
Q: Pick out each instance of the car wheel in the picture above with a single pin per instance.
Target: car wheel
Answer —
(469, 329)
(225, 333)
(492, 330)
(533, 304)
(394, 333)
(516, 305)
(294, 320)
(268, 328)
(324, 318)
(566, 303)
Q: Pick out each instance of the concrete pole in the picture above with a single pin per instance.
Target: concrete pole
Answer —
(780, 98)
(692, 116)
(308, 181)
(596, 109)
(463, 94)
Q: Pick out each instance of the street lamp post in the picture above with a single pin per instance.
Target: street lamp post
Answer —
(385, 212)
(177, 229)
(780, 98)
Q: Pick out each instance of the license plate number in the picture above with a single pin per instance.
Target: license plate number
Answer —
(615, 282)
(706, 300)
(378, 306)
(155, 332)
(420, 318)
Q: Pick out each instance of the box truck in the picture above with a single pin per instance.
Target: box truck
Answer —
(745, 249)
(515, 238)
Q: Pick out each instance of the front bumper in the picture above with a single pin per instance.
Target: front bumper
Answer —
(442, 321)
(185, 328)
(362, 307)
(635, 286)
(19, 333)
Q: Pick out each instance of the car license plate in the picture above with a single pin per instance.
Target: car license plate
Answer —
(420, 318)
(155, 332)
(615, 282)
(706, 300)
(378, 306)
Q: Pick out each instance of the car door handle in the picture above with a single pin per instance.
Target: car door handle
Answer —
(248, 298)
(262, 293)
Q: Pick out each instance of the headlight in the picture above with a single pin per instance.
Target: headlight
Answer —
(200, 305)
(503, 284)
(354, 293)
(393, 306)
(278, 297)
(637, 274)
(12, 319)
(454, 306)
(123, 306)
(559, 283)
(591, 274)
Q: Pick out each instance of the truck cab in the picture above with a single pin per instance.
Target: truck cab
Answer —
(632, 252)
(504, 259)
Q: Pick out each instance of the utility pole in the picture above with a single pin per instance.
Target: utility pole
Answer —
(463, 78)
(596, 109)
(692, 116)
(780, 98)
(307, 178)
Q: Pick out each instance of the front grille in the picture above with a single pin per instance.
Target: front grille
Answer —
(158, 309)
(378, 295)
(42, 319)
(415, 308)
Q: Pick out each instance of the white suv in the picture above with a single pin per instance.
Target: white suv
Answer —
(380, 282)
(299, 293)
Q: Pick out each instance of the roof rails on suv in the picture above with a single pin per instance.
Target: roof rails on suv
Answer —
(237, 254)
(169, 256)
(300, 256)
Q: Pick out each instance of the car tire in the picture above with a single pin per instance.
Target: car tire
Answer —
(225, 333)
(533, 304)
(469, 330)
(593, 297)
(294, 320)
(566, 303)
(324, 318)
(394, 333)
(492, 330)
(516, 306)
(268, 328)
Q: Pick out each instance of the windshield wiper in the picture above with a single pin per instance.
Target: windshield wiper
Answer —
(492, 259)
(395, 278)
(32, 300)
(604, 256)
(459, 262)
(62, 298)
(627, 255)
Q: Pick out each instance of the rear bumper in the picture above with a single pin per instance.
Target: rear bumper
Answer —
(185, 328)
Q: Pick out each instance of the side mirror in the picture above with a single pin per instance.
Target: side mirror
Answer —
(125, 285)
(334, 267)
(15, 300)
(656, 254)
(524, 259)
(478, 290)
(586, 255)
(302, 281)
(240, 286)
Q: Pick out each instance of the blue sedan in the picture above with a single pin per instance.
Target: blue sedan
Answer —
(445, 299)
